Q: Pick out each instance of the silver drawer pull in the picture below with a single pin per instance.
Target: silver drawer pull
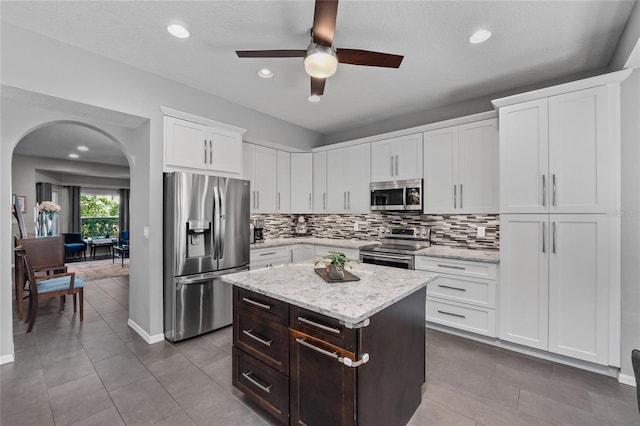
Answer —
(453, 315)
(452, 288)
(258, 304)
(256, 338)
(268, 254)
(247, 376)
(342, 360)
(452, 267)
(320, 326)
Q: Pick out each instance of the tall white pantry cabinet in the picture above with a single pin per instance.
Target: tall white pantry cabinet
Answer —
(560, 236)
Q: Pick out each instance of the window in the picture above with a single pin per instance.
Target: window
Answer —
(99, 210)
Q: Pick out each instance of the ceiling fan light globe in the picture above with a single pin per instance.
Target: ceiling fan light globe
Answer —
(320, 62)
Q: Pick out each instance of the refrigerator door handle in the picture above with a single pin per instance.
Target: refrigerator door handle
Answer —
(216, 222)
(222, 206)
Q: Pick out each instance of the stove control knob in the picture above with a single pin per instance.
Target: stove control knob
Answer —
(387, 231)
(423, 232)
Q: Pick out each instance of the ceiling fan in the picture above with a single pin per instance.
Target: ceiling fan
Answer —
(321, 58)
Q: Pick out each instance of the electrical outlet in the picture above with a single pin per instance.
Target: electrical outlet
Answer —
(481, 231)
(356, 227)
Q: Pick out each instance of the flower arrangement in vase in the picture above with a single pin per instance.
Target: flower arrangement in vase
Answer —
(334, 263)
(48, 207)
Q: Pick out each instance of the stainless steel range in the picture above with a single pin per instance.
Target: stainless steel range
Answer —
(397, 248)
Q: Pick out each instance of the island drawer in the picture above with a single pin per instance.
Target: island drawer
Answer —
(264, 306)
(457, 267)
(323, 327)
(465, 317)
(266, 386)
(266, 340)
(465, 290)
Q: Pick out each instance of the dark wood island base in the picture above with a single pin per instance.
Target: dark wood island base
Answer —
(295, 363)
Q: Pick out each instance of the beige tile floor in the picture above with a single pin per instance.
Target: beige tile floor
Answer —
(100, 372)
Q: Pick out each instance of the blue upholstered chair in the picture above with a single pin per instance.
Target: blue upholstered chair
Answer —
(73, 243)
(124, 238)
(46, 286)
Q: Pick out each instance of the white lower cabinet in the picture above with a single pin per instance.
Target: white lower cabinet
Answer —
(464, 294)
(554, 292)
(267, 257)
(302, 252)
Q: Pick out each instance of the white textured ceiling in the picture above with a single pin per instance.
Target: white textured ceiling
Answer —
(533, 42)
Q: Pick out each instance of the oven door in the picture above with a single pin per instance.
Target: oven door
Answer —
(384, 259)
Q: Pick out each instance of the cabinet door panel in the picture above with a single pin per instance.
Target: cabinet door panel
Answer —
(524, 156)
(478, 167)
(337, 184)
(579, 151)
(524, 272)
(320, 182)
(382, 161)
(358, 168)
(301, 182)
(283, 182)
(226, 155)
(441, 171)
(578, 287)
(186, 143)
(408, 157)
(265, 179)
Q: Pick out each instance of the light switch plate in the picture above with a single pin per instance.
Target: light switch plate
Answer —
(356, 226)
(481, 231)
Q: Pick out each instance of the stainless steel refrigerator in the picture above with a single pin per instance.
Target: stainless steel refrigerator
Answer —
(206, 235)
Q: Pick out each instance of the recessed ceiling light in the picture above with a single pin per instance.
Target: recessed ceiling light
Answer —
(265, 73)
(479, 36)
(74, 156)
(178, 30)
(83, 148)
(313, 98)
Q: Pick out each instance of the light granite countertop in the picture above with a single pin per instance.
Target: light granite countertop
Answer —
(488, 256)
(350, 302)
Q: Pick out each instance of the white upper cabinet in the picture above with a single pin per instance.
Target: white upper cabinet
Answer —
(301, 182)
(461, 169)
(191, 145)
(397, 158)
(283, 182)
(259, 166)
(348, 178)
(320, 182)
(556, 154)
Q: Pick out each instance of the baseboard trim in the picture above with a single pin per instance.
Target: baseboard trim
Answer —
(156, 338)
(625, 379)
(6, 359)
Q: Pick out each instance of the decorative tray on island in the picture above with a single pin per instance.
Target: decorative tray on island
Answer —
(348, 276)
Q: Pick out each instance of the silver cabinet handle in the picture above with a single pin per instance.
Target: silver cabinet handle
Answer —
(344, 196)
(392, 166)
(396, 165)
(452, 288)
(210, 152)
(554, 237)
(256, 338)
(452, 267)
(343, 360)
(310, 202)
(349, 200)
(544, 190)
(247, 376)
(553, 176)
(544, 237)
(317, 349)
(320, 326)
(268, 254)
(278, 201)
(455, 196)
(205, 151)
(258, 203)
(324, 201)
(453, 315)
(258, 304)
(460, 195)
(253, 199)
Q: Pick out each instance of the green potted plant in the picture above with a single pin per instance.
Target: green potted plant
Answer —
(334, 263)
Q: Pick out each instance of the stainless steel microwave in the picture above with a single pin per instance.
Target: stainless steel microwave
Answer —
(399, 195)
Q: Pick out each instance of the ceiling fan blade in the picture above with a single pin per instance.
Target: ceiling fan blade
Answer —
(317, 86)
(368, 58)
(271, 53)
(324, 22)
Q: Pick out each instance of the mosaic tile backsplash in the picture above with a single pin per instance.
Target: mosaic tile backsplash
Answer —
(448, 230)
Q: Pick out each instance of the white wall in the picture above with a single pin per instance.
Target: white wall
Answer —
(630, 273)
(38, 64)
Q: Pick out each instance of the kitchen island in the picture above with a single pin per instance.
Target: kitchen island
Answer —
(312, 352)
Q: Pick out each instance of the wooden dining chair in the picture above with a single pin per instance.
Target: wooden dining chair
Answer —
(47, 286)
